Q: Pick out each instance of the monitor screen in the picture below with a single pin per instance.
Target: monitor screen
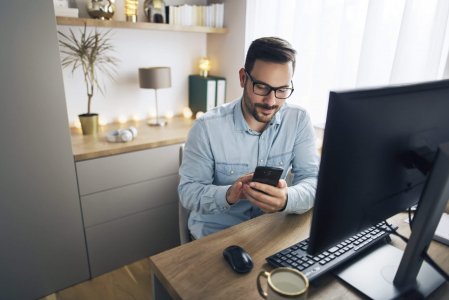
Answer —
(366, 173)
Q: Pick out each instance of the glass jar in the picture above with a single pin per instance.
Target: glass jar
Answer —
(155, 11)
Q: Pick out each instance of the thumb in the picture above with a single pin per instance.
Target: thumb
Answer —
(282, 183)
(234, 192)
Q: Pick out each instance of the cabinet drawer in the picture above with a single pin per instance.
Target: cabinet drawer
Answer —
(119, 170)
(120, 242)
(112, 204)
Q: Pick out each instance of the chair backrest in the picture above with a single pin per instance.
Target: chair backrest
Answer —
(183, 213)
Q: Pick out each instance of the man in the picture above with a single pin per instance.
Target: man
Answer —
(226, 144)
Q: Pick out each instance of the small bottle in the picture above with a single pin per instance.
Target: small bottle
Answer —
(131, 7)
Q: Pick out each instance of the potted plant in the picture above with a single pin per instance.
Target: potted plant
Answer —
(91, 52)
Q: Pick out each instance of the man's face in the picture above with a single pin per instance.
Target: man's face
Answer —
(263, 108)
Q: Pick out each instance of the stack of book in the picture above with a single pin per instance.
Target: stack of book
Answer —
(62, 9)
(66, 12)
(206, 92)
(196, 15)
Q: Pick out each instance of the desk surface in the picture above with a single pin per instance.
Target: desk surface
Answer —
(197, 270)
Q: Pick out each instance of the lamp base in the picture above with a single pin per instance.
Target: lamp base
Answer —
(157, 122)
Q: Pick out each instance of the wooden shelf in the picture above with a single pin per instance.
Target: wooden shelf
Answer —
(140, 25)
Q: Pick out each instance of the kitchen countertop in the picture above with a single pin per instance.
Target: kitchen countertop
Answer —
(94, 146)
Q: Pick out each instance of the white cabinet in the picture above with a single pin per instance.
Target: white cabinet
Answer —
(129, 203)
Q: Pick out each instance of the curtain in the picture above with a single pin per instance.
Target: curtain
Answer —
(347, 44)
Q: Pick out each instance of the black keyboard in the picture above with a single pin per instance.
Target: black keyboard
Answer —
(313, 267)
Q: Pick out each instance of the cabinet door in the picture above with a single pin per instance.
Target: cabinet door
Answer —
(119, 170)
(41, 234)
(124, 201)
(125, 240)
(129, 206)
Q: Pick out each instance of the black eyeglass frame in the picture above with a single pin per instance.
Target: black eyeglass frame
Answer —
(269, 88)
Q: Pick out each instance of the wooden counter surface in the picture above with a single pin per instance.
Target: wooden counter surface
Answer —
(90, 146)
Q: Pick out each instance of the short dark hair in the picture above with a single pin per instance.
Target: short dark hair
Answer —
(270, 49)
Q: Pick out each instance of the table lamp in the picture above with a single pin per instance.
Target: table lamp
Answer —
(155, 78)
(204, 66)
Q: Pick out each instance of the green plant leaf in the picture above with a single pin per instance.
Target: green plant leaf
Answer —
(92, 52)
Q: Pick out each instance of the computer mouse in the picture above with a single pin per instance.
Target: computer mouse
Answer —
(239, 260)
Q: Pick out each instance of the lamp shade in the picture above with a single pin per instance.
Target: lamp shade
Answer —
(155, 78)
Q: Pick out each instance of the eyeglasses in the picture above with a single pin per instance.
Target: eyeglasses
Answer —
(263, 89)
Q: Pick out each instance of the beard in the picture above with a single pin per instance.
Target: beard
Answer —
(257, 109)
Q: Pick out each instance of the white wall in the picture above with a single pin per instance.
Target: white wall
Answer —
(227, 51)
(135, 49)
(139, 48)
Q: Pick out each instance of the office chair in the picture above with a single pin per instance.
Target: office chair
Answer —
(183, 213)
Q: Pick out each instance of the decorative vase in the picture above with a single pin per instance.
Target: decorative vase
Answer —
(100, 9)
(89, 123)
(155, 11)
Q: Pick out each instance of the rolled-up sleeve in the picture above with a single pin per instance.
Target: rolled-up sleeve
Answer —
(301, 193)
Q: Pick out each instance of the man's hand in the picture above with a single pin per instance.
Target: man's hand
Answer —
(268, 198)
(234, 193)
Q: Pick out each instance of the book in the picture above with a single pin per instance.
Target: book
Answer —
(66, 12)
(220, 95)
(206, 92)
(442, 231)
(61, 3)
(202, 93)
(211, 15)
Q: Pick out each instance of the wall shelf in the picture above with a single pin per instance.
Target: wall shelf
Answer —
(139, 25)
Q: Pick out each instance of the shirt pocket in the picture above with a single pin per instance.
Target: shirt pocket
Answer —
(282, 160)
(228, 173)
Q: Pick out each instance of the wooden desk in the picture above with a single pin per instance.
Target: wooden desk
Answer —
(197, 270)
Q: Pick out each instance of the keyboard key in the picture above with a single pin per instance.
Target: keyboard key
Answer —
(333, 249)
(285, 251)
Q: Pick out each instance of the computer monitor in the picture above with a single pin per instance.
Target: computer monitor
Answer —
(378, 147)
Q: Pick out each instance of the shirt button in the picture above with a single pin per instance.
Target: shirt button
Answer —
(232, 172)
(261, 160)
(281, 163)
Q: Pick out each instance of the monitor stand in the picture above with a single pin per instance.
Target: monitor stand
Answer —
(373, 274)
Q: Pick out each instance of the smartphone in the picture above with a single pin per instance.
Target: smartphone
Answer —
(267, 175)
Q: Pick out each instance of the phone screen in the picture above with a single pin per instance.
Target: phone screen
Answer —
(267, 175)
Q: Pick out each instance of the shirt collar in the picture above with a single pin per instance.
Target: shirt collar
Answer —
(239, 120)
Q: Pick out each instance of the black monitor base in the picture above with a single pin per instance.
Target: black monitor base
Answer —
(373, 275)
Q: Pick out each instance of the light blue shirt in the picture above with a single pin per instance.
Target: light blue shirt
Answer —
(221, 147)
